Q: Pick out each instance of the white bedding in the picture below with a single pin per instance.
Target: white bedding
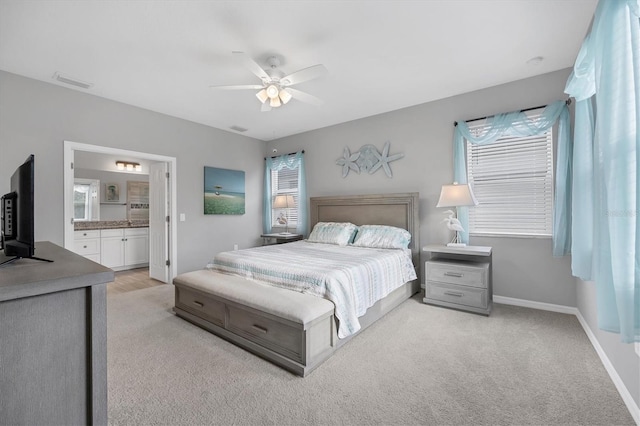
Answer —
(353, 278)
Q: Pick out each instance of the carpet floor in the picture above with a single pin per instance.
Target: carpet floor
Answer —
(419, 364)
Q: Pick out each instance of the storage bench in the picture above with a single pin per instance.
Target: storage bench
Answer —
(291, 329)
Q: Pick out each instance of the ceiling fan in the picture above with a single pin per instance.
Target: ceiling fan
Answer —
(276, 89)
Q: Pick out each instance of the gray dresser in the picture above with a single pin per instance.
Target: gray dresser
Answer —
(459, 277)
(53, 339)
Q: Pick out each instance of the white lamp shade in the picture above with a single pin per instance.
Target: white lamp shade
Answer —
(272, 91)
(275, 102)
(456, 195)
(262, 95)
(283, 201)
(285, 96)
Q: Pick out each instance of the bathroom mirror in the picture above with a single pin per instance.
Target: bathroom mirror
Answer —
(86, 199)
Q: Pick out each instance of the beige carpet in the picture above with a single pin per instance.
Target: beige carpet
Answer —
(420, 364)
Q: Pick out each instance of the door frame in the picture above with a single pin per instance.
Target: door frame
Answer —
(68, 159)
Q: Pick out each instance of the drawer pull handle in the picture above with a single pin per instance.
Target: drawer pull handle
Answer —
(198, 304)
(259, 329)
(84, 246)
(453, 274)
(453, 293)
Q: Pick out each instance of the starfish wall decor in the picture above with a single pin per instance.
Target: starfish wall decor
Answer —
(367, 159)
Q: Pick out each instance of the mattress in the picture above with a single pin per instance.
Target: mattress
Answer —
(353, 278)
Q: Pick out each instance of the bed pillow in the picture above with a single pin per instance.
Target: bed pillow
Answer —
(339, 233)
(381, 236)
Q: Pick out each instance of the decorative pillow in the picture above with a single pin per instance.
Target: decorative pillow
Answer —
(381, 236)
(339, 233)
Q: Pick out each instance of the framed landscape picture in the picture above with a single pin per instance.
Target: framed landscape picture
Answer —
(223, 191)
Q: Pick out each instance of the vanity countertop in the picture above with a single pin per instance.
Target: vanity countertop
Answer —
(109, 224)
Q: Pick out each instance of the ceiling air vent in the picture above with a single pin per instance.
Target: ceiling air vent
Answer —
(238, 129)
(70, 80)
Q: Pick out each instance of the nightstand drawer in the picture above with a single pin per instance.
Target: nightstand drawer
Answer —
(459, 274)
(459, 295)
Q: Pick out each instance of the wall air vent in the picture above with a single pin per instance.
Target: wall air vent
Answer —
(238, 129)
(70, 80)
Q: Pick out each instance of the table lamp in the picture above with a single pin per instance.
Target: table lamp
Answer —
(456, 195)
(284, 202)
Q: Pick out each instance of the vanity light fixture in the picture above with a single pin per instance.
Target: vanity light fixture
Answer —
(128, 166)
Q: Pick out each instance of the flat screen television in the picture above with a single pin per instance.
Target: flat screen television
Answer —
(17, 211)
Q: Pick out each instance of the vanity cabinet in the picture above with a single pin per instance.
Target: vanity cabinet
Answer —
(124, 248)
(87, 244)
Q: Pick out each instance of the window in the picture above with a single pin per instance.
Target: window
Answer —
(285, 182)
(512, 179)
(85, 199)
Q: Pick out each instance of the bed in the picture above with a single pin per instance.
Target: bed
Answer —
(298, 330)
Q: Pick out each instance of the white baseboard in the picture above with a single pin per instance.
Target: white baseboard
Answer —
(535, 305)
(617, 381)
(622, 389)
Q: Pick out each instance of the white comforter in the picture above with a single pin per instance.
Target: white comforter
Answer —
(353, 278)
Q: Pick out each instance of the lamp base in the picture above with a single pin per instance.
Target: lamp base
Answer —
(456, 245)
(286, 233)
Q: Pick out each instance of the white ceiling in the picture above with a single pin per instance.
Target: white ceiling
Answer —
(381, 55)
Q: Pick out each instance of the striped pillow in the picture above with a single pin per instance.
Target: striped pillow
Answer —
(339, 233)
(381, 236)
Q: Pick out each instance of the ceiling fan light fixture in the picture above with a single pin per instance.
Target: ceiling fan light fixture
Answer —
(275, 102)
(285, 96)
(272, 91)
(262, 95)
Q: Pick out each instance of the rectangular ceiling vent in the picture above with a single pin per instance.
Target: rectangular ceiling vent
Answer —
(238, 129)
(70, 80)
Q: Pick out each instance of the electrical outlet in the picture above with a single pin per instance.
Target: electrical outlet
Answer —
(235, 247)
(183, 217)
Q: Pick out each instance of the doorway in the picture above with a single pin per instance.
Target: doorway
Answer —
(163, 233)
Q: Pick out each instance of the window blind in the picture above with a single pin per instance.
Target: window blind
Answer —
(512, 179)
(285, 182)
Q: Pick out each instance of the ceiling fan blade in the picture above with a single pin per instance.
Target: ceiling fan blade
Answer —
(266, 107)
(253, 66)
(305, 97)
(303, 75)
(240, 87)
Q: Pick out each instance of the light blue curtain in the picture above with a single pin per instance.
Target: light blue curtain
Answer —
(606, 159)
(518, 124)
(278, 163)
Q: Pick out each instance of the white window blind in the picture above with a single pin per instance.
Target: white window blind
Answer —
(512, 179)
(285, 182)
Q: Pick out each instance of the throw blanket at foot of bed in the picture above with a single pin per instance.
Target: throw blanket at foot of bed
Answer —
(291, 329)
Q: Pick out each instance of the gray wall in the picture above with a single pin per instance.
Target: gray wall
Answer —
(36, 117)
(524, 267)
(622, 355)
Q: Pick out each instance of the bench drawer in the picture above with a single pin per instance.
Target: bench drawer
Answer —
(459, 295)
(201, 305)
(275, 335)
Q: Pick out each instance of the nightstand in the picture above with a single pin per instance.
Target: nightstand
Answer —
(459, 277)
(281, 238)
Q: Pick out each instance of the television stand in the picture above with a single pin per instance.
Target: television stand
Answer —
(7, 261)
